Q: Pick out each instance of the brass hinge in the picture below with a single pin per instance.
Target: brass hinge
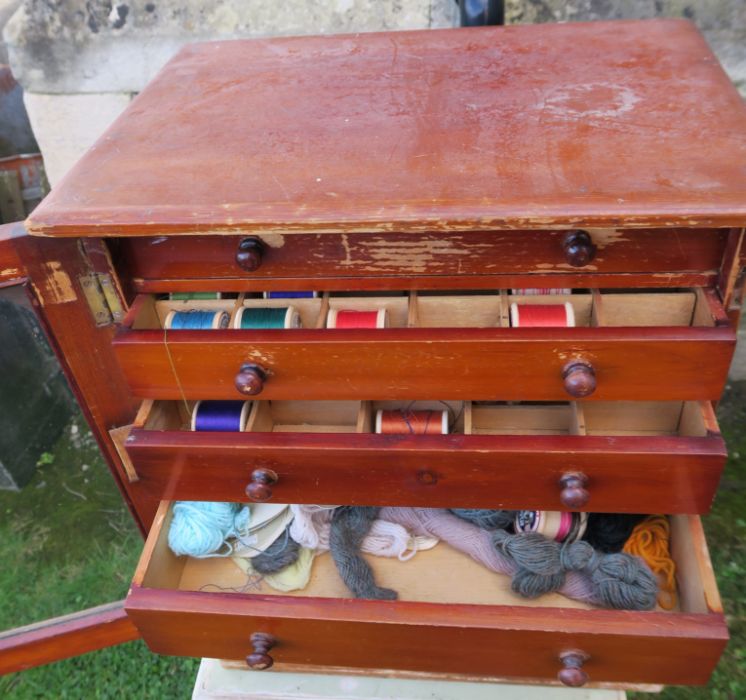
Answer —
(102, 298)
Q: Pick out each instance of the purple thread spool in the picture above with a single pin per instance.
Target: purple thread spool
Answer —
(220, 416)
(290, 295)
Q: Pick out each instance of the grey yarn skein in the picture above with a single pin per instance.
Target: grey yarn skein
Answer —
(620, 581)
(486, 518)
(283, 552)
(350, 525)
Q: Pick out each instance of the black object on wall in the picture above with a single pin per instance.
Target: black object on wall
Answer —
(478, 13)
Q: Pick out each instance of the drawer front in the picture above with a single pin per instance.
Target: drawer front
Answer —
(460, 625)
(670, 257)
(522, 643)
(513, 364)
(622, 474)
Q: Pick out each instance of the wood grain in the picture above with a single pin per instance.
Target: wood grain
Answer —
(506, 364)
(533, 126)
(63, 637)
(329, 261)
(469, 639)
(84, 351)
(12, 270)
(626, 474)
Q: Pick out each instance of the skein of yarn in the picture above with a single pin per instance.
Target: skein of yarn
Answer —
(538, 565)
(650, 540)
(350, 525)
(202, 528)
(312, 524)
(607, 532)
(486, 518)
(283, 552)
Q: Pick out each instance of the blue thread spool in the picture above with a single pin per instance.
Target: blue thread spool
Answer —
(196, 320)
(291, 295)
(220, 416)
(256, 318)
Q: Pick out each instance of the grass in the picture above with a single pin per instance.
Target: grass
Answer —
(67, 542)
(726, 534)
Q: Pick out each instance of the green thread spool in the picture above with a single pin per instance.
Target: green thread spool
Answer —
(263, 317)
(195, 296)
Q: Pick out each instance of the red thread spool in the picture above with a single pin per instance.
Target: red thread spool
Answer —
(542, 315)
(412, 422)
(347, 318)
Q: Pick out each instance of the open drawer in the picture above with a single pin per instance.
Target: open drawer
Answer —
(672, 345)
(663, 457)
(465, 622)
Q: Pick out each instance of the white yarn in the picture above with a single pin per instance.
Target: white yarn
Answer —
(312, 524)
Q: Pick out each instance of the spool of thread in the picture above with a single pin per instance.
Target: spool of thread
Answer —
(411, 422)
(267, 317)
(560, 526)
(534, 292)
(196, 320)
(220, 416)
(195, 296)
(291, 295)
(542, 315)
(348, 318)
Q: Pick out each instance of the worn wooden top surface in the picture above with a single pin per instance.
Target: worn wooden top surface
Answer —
(609, 123)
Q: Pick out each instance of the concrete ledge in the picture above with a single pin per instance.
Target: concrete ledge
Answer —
(66, 126)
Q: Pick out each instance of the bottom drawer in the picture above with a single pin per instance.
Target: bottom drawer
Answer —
(453, 616)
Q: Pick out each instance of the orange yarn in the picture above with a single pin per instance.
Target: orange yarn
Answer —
(650, 541)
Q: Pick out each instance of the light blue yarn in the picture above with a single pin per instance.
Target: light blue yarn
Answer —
(202, 528)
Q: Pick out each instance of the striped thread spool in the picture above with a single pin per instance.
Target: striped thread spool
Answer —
(220, 416)
(535, 292)
(542, 315)
(196, 320)
(348, 318)
(256, 318)
(291, 295)
(399, 422)
(560, 526)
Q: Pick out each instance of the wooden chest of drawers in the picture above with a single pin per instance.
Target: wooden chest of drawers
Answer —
(442, 176)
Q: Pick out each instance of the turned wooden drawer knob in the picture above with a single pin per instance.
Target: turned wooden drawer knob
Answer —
(260, 486)
(250, 379)
(579, 378)
(260, 659)
(572, 673)
(574, 494)
(249, 254)
(579, 248)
